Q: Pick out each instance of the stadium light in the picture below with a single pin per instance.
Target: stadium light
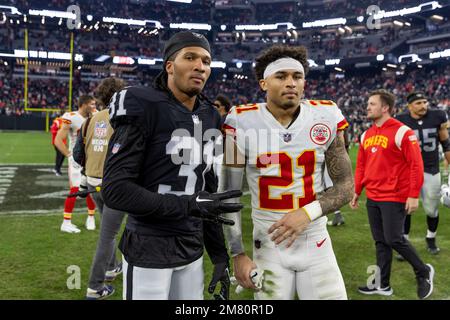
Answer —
(440, 54)
(330, 62)
(414, 57)
(53, 14)
(133, 22)
(380, 57)
(360, 19)
(190, 26)
(261, 27)
(312, 63)
(324, 22)
(89, 17)
(239, 65)
(12, 10)
(44, 55)
(123, 60)
(223, 27)
(437, 17)
(405, 11)
(102, 58)
(146, 61)
(218, 64)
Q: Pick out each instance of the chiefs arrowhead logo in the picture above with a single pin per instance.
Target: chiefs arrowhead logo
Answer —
(320, 133)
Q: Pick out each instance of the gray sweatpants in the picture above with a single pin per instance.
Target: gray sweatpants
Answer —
(105, 254)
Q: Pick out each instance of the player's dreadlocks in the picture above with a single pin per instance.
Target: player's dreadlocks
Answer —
(276, 52)
(107, 88)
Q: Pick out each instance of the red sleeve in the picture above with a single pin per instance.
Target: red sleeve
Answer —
(359, 171)
(411, 151)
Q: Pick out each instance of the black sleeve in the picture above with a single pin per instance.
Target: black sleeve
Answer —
(78, 152)
(443, 117)
(120, 189)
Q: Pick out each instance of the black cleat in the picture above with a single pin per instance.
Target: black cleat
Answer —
(425, 284)
(431, 246)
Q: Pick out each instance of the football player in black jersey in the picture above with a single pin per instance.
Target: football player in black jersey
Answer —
(158, 169)
(430, 126)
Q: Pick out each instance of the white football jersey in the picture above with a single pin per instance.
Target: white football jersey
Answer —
(284, 166)
(75, 120)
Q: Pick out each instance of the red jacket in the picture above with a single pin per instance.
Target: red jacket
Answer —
(389, 163)
(56, 125)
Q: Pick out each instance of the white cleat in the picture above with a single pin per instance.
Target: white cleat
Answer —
(69, 227)
(90, 223)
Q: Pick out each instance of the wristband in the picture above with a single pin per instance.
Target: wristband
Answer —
(313, 210)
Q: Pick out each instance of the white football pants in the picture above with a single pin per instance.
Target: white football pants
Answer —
(431, 194)
(180, 283)
(308, 267)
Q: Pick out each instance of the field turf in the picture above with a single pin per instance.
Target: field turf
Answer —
(37, 260)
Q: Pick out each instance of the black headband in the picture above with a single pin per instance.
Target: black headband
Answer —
(182, 40)
(415, 96)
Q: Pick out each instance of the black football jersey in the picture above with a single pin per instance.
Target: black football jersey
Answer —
(159, 154)
(427, 130)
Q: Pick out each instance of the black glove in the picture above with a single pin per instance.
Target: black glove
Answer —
(222, 274)
(209, 206)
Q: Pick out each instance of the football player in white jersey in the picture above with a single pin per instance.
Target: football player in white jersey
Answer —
(72, 122)
(283, 145)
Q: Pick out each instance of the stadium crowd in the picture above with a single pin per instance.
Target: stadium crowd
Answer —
(206, 11)
(348, 91)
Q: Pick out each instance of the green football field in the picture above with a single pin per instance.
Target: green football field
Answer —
(40, 262)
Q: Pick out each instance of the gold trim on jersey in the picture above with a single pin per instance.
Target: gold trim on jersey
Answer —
(278, 186)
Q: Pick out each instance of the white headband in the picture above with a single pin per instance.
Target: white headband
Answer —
(283, 64)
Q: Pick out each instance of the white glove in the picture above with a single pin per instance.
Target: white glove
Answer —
(445, 195)
(257, 276)
(73, 163)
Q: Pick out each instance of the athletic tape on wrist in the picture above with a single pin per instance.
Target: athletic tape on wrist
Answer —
(313, 210)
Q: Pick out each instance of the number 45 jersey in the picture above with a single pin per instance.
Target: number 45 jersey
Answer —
(427, 130)
(284, 166)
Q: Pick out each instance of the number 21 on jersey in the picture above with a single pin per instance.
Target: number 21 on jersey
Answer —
(285, 179)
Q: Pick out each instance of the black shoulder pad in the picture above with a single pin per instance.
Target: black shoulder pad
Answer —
(124, 104)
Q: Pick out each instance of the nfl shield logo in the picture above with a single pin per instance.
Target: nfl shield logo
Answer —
(195, 119)
(100, 129)
(287, 137)
(115, 148)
